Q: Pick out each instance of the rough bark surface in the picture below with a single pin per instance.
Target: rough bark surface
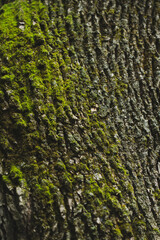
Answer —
(79, 120)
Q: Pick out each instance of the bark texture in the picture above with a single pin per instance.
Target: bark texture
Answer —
(79, 120)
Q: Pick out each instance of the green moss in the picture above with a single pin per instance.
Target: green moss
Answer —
(111, 11)
(117, 232)
(16, 173)
(69, 19)
(15, 177)
(19, 120)
(109, 223)
(156, 230)
(157, 194)
(7, 180)
(45, 191)
(9, 23)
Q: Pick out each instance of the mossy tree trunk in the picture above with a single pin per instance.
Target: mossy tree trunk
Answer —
(79, 120)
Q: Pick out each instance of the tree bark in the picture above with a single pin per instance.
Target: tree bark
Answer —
(79, 120)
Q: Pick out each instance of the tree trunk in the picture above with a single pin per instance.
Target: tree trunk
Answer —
(79, 120)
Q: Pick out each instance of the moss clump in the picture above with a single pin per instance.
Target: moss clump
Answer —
(117, 233)
(15, 177)
(7, 180)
